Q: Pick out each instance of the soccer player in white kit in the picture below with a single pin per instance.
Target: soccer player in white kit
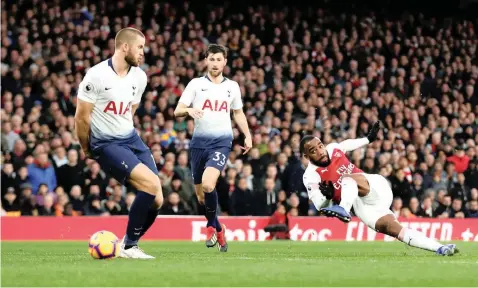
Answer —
(330, 175)
(108, 97)
(212, 98)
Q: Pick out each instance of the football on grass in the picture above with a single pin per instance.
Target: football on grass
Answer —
(104, 245)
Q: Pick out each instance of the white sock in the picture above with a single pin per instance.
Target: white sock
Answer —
(418, 239)
(349, 193)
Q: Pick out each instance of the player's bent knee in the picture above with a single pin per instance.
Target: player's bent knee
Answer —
(208, 187)
(154, 186)
(143, 179)
(357, 179)
(158, 201)
(209, 179)
(389, 225)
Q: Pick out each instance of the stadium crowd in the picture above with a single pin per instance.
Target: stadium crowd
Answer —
(301, 71)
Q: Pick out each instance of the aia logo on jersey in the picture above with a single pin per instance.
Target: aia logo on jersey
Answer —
(120, 108)
(216, 105)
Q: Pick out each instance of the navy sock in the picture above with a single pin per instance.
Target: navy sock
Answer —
(210, 202)
(137, 217)
(218, 225)
(150, 218)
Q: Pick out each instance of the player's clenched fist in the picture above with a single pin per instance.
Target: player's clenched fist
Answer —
(195, 113)
(327, 189)
(372, 134)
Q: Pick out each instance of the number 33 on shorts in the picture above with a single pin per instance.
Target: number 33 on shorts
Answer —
(219, 158)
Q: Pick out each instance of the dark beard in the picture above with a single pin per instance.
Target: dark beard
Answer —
(215, 73)
(130, 60)
(321, 163)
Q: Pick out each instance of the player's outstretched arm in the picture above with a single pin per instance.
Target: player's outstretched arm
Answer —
(241, 121)
(352, 144)
(82, 123)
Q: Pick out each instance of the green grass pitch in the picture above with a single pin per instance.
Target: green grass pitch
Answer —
(64, 264)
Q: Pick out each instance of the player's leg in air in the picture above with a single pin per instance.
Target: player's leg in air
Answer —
(353, 186)
(371, 197)
(207, 166)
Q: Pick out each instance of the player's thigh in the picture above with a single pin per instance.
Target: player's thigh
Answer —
(215, 163)
(362, 182)
(380, 194)
(147, 159)
(198, 158)
(370, 214)
(376, 204)
(117, 161)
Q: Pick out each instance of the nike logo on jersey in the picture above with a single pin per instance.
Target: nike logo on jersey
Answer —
(203, 89)
(324, 170)
(106, 88)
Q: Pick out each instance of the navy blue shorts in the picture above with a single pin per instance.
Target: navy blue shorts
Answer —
(203, 158)
(119, 157)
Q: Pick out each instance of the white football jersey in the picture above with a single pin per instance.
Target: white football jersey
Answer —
(214, 129)
(113, 97)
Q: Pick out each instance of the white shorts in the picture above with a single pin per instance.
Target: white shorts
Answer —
(377, 203)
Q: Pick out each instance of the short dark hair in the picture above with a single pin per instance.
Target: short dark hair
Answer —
(216, 48)
(306, 139)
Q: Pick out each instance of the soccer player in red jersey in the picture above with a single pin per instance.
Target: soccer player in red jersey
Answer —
(331, 176)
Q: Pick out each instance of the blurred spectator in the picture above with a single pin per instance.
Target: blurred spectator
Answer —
(397, 206)
(457, 209)
(444, 209)
(111, 206)
(460, 159)
(41, 171)
(460, 189)
(27, 201)
(279, 217)
(240, 201)
(427, 208)
(473, 209)
(93, 206)
(9, 137)
(10, 202)
(414, 206)
(47, 208)
(266, 200)
(175, 206)
(71, 173)
(77, 199)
